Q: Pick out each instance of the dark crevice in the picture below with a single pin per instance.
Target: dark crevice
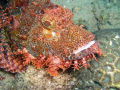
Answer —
(97, 83)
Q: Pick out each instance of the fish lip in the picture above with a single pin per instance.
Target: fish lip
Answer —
(86, 46)
(82, 51)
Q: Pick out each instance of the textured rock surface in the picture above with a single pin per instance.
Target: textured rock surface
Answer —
(104, 73)
(107, 13)
(34, 79)
(7, 81)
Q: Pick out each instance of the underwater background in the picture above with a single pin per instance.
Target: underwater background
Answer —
(102, 18)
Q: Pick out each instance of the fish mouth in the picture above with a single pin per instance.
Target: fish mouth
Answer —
(86, 46)
(83, 51)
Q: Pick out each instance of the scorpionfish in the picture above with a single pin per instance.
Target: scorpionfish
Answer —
(43, 34)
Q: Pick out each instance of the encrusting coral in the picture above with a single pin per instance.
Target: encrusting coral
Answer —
(43, 34)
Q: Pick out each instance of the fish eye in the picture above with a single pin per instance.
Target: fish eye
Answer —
(46, 23)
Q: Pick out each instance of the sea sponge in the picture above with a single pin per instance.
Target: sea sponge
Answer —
(105, 72)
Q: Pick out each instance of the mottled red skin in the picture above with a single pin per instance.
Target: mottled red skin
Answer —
(54, 63)
(51, 26)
